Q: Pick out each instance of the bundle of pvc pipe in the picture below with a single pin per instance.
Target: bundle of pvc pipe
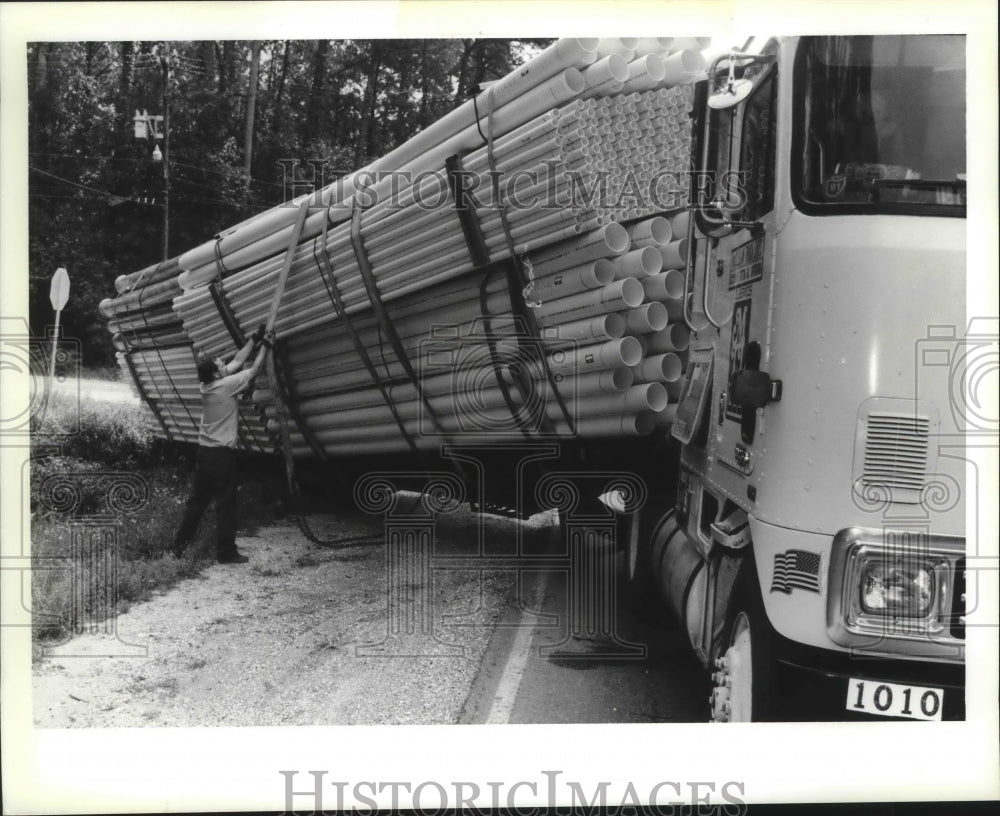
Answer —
(582, 178)
(420, 248)
(341, 409)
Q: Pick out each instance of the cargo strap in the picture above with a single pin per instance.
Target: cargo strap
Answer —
(165, 367)
(480, 255)
(517, 282)
(220, 264)
(219, 297)
(142, 392)
(226, 313)
(326, 273)
(386, 325)
(466, 212)
(235, 332)
(286, 387)
(382, 316)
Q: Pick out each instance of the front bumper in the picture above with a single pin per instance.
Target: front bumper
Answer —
(812, 684)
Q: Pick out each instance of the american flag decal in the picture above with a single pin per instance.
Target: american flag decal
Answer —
(795, 569)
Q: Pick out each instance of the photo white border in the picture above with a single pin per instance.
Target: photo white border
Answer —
(163, 770)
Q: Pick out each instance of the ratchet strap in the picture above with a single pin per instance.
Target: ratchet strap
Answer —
(326, 273)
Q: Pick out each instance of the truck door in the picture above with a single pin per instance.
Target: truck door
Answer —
(734, 230)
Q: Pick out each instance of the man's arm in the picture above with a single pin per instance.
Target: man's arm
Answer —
(241, 357)
(234, 384)
(265, 347)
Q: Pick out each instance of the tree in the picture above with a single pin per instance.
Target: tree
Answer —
(251, 104)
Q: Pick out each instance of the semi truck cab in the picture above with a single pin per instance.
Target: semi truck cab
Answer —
(814, 553)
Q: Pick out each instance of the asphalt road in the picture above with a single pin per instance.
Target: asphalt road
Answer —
(555, 660)
(459, 629)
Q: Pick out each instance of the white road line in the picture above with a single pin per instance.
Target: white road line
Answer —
(517, 661)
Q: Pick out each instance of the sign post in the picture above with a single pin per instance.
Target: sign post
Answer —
(58, 294)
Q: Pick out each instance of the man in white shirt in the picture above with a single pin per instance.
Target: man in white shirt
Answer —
(215, 472)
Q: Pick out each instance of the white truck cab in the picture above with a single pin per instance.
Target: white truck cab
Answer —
(815, 552)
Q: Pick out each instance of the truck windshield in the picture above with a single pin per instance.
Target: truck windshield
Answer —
(880, 124)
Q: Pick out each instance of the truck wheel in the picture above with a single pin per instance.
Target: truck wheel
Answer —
(743, 690)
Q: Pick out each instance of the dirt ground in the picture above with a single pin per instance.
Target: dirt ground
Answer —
(302, 635)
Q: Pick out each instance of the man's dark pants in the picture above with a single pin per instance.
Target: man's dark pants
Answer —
(214, 478)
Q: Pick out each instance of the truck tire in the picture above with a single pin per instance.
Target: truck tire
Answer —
(743, 676)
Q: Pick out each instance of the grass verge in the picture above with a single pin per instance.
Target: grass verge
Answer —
(92, 558)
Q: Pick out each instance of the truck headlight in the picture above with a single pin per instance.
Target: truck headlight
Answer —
(894, 592)
(897, 589)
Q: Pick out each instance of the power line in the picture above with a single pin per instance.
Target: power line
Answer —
(104, 193)
(174, 163)
(234, 174)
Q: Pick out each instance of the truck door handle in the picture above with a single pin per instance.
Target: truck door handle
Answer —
(754, 389)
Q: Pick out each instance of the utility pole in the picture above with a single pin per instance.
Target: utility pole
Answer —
(165, 66)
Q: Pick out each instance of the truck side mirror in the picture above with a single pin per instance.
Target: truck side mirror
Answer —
(754, 389)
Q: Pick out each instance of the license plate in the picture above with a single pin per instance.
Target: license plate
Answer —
(894, 700)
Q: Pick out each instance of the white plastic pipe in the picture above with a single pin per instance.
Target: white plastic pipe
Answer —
(605, 242)
(644, 72)
(636, 264)
(683, 67)
(667, 285)
(625, 351)
(679, 223)
(645, 319)
(612, 68)
(587, 330)
(592, 275)
(653, 232)
(675, 254)
(626, 293)
(674, 338)
(615, 45)
(653, 45)
(692, 43)
(666, 367)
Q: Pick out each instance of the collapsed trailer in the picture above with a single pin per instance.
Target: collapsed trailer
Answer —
(737, 278)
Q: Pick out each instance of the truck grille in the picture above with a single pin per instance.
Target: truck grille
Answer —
(896, 449)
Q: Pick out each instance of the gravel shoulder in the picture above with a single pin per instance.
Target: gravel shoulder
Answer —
(302, 635)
